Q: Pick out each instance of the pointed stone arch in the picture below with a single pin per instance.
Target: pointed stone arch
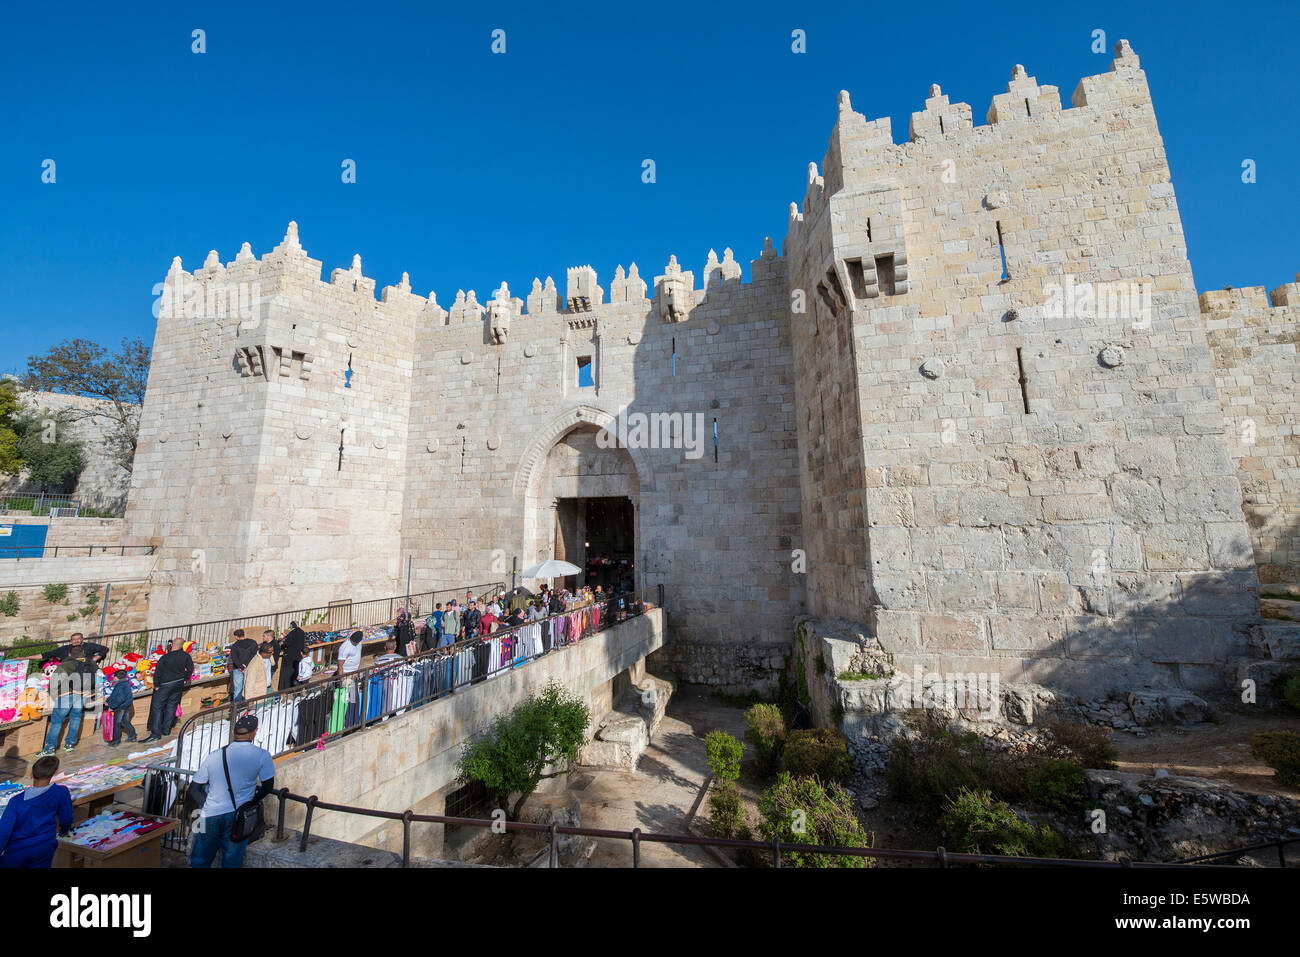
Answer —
(529, 477)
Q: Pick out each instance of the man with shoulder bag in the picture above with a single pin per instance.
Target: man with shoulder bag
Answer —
(228, 788)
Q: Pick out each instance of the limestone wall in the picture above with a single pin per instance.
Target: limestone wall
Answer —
(482, 481)
(1083, 527)
(271, 463)
(39, 619)
(1253, 337)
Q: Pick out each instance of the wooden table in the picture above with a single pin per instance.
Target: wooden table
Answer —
(141, 852)
(88, 805)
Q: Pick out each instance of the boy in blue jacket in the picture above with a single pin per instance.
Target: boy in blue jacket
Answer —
(119, 702)
(27, 826)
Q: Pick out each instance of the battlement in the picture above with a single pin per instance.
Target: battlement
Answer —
(1025, 109)
(1219, 303)
(218, 290)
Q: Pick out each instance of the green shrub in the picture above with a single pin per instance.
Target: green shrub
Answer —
(1291, 691)
(859, 676)
(1059, 785)
(1087, 745)
(724, 753)
(765, 730)
(930, 767)
(55, 594)
(978, 823)
(804, 811)
(817, 752)
(726, 814)
(9, 604)
(1280, 750)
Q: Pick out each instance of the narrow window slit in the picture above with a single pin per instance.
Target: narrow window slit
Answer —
(1002, 251)
(1024, 382)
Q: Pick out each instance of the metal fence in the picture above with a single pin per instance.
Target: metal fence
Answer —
(73, 551)
(215, 635)
(39, 503)
(169, 795)
(309, 715)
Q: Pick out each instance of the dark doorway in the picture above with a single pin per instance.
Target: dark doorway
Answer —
(599, 536)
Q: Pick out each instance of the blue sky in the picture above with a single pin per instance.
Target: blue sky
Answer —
(473, 168)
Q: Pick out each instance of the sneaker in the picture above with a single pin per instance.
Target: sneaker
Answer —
(69, 748)
(110, 744)
(152, 737)
(45, 753)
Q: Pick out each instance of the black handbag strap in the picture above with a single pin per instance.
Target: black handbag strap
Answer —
(225, 766)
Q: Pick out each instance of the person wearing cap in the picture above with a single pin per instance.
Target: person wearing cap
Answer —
(251, 778)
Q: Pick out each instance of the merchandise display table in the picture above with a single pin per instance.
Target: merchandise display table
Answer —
(121, 836)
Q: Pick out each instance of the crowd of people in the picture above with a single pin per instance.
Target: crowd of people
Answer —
(241, 772)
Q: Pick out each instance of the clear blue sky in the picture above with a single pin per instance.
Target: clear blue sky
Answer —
(474, 168)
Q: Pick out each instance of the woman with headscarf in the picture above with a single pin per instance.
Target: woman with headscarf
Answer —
(292, 650)
(403, 631)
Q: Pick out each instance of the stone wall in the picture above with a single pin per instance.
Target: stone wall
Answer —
(1047, 491)
(39, 619)
(1253, 336)
(271, 462)
(972, 406)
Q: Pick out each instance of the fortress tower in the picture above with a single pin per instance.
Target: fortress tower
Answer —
(971, 407)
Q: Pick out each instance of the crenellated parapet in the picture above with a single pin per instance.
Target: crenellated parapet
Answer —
(862, 147)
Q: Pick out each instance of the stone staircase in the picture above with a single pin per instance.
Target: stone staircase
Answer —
(624, 733)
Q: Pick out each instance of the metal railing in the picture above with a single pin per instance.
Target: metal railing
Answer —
(310, 714)
(74, 551)
(38, 503)
(216, 635)
(289, 721)
(173, 793)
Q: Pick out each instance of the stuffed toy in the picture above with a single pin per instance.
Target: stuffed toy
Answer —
(30, 703)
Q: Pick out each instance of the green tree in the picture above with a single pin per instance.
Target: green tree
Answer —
(49, 451)
(85, 368)
(10, 461)
(543, 732)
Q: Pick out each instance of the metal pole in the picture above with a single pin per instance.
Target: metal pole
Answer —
(306, 825)
(408, 584)
(1281, 853)
(279, 824)
(776, 852)
(636, 847)
(103, 614)
(406, 838)
(555, 850)
(942, 855)
(514, 569)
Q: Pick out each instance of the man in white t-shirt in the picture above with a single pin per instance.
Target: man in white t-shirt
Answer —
(350, 654)
(252, 777)
(349, 662)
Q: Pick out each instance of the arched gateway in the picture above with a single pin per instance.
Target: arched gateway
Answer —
(582, 502)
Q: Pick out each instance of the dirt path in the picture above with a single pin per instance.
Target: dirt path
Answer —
(1219, 750)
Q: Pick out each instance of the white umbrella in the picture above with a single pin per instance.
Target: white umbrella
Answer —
(551, 568)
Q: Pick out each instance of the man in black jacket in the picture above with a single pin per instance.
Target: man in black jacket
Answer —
(470, 620)
(170, 676)
(87, 654)
(241, 653)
